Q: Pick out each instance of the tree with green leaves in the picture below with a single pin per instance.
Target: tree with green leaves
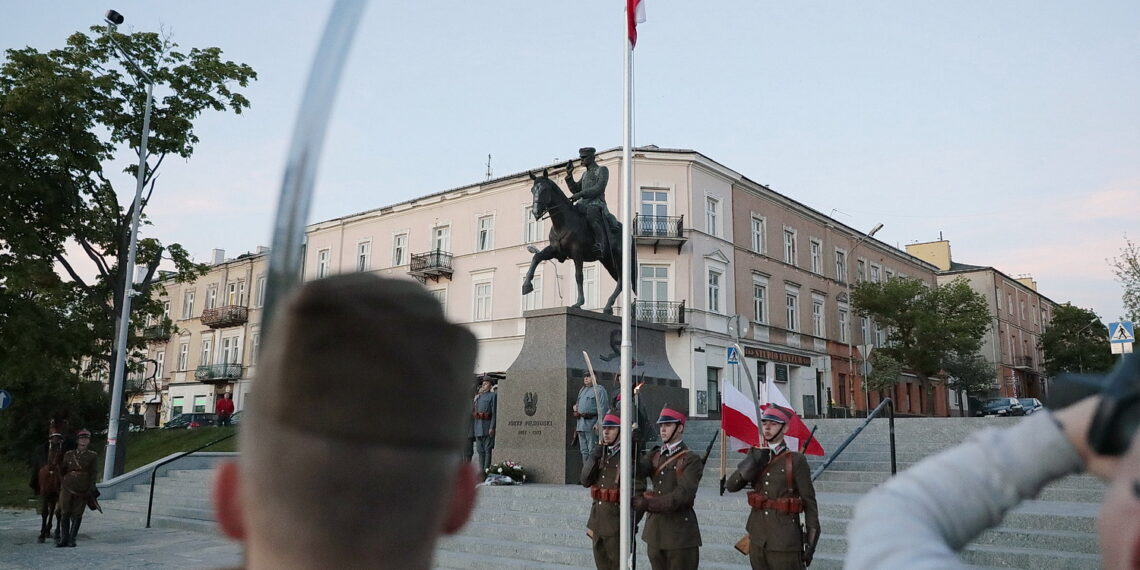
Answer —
(928, 325)
(65, 116)
(969, 374)
(885, 372)
(1127, 270)
(1075, 341)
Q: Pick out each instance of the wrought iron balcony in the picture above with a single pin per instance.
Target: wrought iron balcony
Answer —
(1023, 362)
(158, 333)
(217, 372)
(431, 265)
(657, 230)
(660, 312)
(227, 316)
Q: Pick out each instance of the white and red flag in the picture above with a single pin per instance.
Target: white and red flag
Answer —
(634, 15)
(797, 432)
(738, 419)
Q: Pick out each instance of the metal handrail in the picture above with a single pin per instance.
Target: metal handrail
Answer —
(890, 405)
(154, 471)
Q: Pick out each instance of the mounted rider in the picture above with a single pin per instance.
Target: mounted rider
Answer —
(589, 195)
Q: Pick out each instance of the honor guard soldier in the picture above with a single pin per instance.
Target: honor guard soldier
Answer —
(782, 489)
(78, 486)
(672, 536)
(484, 415)
(601, 474)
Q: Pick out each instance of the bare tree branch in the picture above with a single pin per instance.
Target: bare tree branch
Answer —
(70, 271)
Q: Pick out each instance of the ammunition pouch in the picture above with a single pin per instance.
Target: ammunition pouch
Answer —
(605, 495)
(786, 505)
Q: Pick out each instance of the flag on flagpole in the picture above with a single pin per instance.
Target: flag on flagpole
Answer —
(738, 419)
(634, 15)
(797, 431)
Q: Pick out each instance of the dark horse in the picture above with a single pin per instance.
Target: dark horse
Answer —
(570, 238)
(49, 477)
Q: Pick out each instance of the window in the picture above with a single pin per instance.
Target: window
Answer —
(654, 210)
(712, 215)
(654, 284)
(860, 271)
(207, 351)
(441, 296)
(1009, 302)
(183, 355)
(590, 285)
(364, 256)
(790, 246)
(1021, 308)
(844, 327)
(322, 263)
(874, 274)
(188, 305)
(757, 234)
(165, 310)
(235, 293)
(760, 301)
(176, 404)
(880, 336)
(865, 329)
(533, 300)
(211, 296)
(482, 302)
(714, 290)
(200, 404)
(441, 238)
(816, 257)
(713, 376)
(254, 347)
(159, 364)
(261, 291)
(231, 353)
(888, 274)
(532, 228)
(840, 266)
(399, 249)
(485, 236)
(817, 322)
(792, 300)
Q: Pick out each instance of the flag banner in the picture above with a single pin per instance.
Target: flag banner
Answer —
(738, 419)
(797, 431)
(634, 15)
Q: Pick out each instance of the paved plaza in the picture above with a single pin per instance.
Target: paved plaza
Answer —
(111, 541)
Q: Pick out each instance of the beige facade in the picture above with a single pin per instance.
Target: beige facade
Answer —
(699, 267)
(1019, 314)
(212, 345)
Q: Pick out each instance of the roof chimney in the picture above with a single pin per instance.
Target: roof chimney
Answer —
(219, 256)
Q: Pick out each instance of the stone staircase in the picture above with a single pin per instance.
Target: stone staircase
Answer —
(543, 526)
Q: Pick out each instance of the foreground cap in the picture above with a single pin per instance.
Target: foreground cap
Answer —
(671, 416)
(362, 358)
(611, 420)
(83, 433)
(774, 413)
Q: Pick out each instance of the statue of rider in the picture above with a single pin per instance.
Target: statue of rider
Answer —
(589, 196)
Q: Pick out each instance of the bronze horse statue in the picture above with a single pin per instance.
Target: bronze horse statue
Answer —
(49, 478)
(571, 238)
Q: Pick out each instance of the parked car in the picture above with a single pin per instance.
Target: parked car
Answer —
(1001, 407)
(1031, 405)
(235, 419)
(191, 420)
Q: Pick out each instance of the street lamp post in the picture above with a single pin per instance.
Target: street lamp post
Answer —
(850, 329)
(1080, 351)
(114, 19)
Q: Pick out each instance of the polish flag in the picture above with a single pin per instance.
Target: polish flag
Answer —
(738, 419)
(634, 15)
(797, 431)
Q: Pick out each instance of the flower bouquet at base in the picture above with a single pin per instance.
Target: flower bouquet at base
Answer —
(506, 473)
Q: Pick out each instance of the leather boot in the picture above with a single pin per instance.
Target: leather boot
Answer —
(74, 531)
(64, 532)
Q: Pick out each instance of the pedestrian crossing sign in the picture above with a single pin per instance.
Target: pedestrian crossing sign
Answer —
(733, 355)
(1121, 333)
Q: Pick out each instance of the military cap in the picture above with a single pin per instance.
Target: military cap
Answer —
(362, 358)
(83, 433)
(586, 151)
(671, 416)
(611, 420)
(774, 413)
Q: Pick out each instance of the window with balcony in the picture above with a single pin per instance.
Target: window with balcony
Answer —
(482, 305)
(211, 296)
(816, 257)
(758, 227)
(485, 234)
(712, 216)
(654, 283)
(235, 293)
(231, 350)
(207, 352)
(399, 249)
(188, 305)
(840, 266)
(441, 238)
(323, 257)
(159, 364)
(364, 255)
(790, 246)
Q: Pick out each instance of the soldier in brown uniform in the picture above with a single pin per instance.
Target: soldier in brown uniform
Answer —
(782, 489)
(78, 486)
(601, 474)
(672, 536)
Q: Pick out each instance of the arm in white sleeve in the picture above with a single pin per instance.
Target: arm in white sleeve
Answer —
(923, 516)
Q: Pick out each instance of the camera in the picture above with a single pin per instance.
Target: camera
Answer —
(1118, 416)
(113, 18)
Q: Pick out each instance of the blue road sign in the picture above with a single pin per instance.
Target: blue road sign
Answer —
(1121, 333)
(733, 355)
(5, 399)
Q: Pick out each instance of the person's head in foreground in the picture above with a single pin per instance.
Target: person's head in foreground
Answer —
(351, 454)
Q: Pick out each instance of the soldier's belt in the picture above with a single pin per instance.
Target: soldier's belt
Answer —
(787, 505)
(605, 495)
(481, 415)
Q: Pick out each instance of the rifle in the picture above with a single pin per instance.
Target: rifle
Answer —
(809, 438)
(708, 450)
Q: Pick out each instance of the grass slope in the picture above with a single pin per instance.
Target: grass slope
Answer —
(142, 448)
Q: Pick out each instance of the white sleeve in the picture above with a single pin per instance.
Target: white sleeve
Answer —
(923, 516)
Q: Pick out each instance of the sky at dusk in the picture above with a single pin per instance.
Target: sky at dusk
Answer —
(1011, 128)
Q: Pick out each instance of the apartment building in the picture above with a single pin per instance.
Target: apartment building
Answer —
(720, 257)
(1019, 314)
(210, 345)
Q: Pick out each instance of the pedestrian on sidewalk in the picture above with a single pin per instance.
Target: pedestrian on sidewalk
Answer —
(77, 489)
(672, 535)
(224, 408)
(923, 516)
(351, 456)
(781, 489)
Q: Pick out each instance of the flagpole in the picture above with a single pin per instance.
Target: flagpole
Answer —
(752, 388)
(625, 538)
